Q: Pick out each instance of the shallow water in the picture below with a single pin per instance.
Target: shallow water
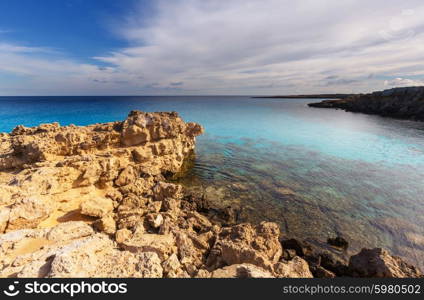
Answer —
(314, 171)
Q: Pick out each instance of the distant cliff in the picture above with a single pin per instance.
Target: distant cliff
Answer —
(404, 103)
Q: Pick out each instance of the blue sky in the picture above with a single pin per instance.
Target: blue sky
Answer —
(78, 27)
(142, 47)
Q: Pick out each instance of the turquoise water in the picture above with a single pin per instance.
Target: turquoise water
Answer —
(314, 171)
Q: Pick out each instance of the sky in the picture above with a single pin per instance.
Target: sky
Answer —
(209, 47)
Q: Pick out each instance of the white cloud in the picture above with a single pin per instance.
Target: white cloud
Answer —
(212, 46)
(249, 47)
(403, 82)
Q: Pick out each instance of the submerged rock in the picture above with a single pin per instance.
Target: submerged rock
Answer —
(338, 242)
(301, 248)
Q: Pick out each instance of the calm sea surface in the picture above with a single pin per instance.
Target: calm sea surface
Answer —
(316, 172)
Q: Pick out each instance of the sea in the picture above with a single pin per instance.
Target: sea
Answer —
(317, 172)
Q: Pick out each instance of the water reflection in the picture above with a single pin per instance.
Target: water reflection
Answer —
(312, 195)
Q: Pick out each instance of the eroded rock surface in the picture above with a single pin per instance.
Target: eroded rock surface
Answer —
(379, 263)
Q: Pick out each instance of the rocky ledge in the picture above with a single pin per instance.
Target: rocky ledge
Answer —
(94, 201)
(403, 103)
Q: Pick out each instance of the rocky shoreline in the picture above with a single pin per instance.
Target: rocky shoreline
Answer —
(402, 103)
(95, 201)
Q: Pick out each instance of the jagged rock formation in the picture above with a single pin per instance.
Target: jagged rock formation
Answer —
(94, 202)
(403, 103)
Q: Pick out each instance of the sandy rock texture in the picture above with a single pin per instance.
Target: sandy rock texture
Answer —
(95, 201)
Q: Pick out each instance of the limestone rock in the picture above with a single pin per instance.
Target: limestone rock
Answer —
(320, 272)
(97, 207)
(162, 245)
(165, 190)
(295, 268)
(33, 265)
(194, 129)
(154, 220)
(69, 231)
(106, 224)
(127, 176)
(122, 235)
(91, 201)
(28, 212)
(172, 267)
(241, 271)
(244, 243)
(149, 265)
(192, 249)
(379, 263)
(124, 264)
(80, 258)
(4, 218)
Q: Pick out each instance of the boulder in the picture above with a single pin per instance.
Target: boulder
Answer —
(81, 258)
(127, 176)
(97, 207)
(331, 263)
(162, 245)
(295, 268)
(320, 272)
(69, 231)
(302, 248)
(258, 245)
(192, 249)
(124, 264)
(154, 220)
(106, 224)
(164, 190)
(379, 263)
(172, 267)
(149, 265)
(339, 242)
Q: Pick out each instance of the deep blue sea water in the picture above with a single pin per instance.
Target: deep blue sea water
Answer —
(316, 172)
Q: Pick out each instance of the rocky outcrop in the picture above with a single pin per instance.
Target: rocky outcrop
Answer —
(244, 243)
(379, 263)
(404, 103)
(89, 170)
(94, 202)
